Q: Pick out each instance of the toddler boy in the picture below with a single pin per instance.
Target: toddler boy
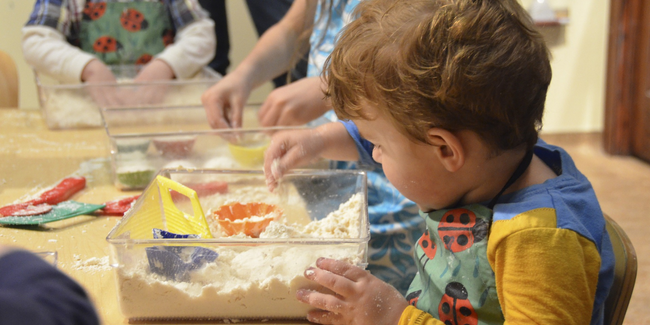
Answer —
(448, 96)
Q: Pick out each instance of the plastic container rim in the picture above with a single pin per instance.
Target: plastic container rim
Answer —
(365, 226)
(199, 132)
(215, 77)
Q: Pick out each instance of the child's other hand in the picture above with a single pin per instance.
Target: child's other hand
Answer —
(359, 298)
(224, 101)
(150, 92)
(156, 70)
(294, 104)
(97, 72)
(290, 149)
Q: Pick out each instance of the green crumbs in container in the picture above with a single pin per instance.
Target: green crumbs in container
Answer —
(135, 177)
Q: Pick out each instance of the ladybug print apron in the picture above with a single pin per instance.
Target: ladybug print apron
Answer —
(125, 32)
(455, 282)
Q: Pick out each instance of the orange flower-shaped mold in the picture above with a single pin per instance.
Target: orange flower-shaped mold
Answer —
(250, 218)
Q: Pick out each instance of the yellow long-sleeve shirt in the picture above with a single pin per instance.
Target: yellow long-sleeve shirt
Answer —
(544, 275)
(549, 250)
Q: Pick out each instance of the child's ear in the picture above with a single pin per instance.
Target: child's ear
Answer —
(448, 148)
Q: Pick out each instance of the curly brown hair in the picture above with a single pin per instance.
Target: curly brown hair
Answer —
(476, 65)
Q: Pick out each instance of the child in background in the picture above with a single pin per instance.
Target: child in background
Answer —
(75, 40)
(394, 221)
(34, 292)
(448, 97)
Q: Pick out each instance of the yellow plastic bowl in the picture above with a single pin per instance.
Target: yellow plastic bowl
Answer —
(249, 152)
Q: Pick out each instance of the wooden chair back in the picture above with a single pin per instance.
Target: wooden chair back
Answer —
(624, 274)
(8, 81)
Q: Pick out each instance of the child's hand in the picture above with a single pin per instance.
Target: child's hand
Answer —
(290, 149)
(294, 104)
(359, 298)
(224, 101)
(151, 92)
(97, 72)
(156, 70)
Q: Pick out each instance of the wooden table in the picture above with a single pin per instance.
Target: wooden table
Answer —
(34, 157)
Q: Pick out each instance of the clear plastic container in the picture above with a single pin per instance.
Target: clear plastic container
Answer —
(144, 140)
(236, 277)
(72, 106)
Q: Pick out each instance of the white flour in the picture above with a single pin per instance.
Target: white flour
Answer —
(221, 162)
(92, 264)
(245, 281)
(74, 108)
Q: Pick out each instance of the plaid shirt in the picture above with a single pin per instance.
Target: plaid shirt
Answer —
(65, 15)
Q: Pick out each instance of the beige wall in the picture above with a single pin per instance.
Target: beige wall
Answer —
(576, 97)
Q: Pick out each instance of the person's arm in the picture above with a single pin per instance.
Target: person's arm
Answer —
(271, 56)
(47, 51)
(363, 146)
(543, 275)
(297, 103)
(193, 48)
(44, 41)
(291, 149)
(34, 292)
(273, 53)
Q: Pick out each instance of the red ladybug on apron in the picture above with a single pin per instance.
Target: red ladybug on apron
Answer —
(133, 20)
(428, 247)
(144, 59)
(168, 37)
(413, 297)
(94, 10)
(106, 44)
(455, 308)
(460, 229)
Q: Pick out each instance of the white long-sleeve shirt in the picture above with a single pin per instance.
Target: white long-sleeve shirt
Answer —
(46, 49)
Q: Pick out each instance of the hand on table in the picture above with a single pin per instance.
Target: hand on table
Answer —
(290, 149)
(151, 92)
(359, 297)
(156, 70)
(297, 103)
(97, 72)
(224, 101)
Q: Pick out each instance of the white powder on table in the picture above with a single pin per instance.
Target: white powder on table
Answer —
(245, 281)
(93, 264)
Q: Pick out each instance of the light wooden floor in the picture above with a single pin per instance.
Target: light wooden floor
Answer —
(622, 185)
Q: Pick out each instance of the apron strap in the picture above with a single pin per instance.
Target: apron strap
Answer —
(523, 165)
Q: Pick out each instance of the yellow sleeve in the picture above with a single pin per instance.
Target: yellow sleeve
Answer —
(544, 275)
(414, 316)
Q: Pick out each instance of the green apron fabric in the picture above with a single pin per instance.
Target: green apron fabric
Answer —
(125, 32)
(455, 282)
